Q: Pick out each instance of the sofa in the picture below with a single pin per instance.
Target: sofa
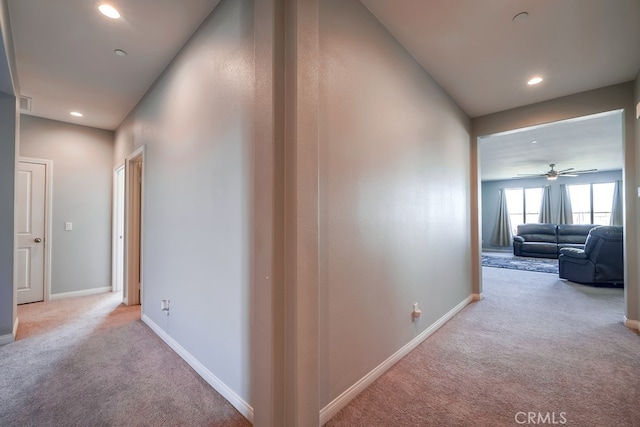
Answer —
(599, 262)
(546, 240)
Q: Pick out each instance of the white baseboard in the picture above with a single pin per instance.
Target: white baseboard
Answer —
(9, 338)
(477, 297)
(632, 324)
(240, 404)
(341, 401)
(82, 293)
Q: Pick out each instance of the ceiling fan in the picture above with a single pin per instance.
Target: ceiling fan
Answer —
(554, 174)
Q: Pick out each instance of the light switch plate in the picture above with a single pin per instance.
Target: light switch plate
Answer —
(68, 226)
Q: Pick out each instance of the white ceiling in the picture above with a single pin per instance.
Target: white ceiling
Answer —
(473, 48)
(65, 53)
(483, 58)
(593, 142)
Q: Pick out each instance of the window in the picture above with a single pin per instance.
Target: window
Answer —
(591, 203)
(523, 205)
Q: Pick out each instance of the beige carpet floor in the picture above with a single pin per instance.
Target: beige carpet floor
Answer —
(536, 350)
(90, 361)
(536, 346)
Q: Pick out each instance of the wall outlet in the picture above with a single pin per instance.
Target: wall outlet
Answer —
(416, 313)
(68, 226)
(164, 305)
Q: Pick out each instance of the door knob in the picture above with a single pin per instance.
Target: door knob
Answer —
(37, 240)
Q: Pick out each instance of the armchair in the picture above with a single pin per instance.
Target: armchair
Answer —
(601, 260)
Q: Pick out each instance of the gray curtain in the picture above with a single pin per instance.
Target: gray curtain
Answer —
(545, 206)
(616, 208)
(502, 232)
(566, 214)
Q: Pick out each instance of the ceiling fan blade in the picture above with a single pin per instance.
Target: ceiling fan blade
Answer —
(566, 170)
(569, 174)
(585, 171)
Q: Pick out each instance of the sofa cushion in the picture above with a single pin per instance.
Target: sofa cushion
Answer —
(570, 245)
(539, 248)
(574, 233)
(573, 253)
(538, 232)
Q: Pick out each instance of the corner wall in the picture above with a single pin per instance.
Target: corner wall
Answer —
(394, 200)
(9, 132)
(196, 124)
(82, 180)
(8, 138)
(636, 196)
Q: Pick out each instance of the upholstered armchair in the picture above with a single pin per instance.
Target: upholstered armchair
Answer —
(601, 260)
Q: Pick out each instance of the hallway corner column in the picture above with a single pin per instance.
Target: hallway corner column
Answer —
(301, 212)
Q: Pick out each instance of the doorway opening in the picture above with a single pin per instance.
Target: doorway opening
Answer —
(117, 280)
(589, 151)
(133, 227)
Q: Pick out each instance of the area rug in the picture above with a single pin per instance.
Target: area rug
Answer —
(543, 265)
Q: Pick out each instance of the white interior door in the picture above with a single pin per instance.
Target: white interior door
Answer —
(118, 229)
(31, 231)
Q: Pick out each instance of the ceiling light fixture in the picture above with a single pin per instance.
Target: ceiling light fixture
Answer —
(76, 114)
(109, 11)
(120, 52)
(534, 81)
(535, 141)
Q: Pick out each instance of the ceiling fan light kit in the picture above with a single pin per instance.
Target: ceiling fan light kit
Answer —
(553, 174)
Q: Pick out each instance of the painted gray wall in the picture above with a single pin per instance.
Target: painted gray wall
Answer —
(8, 72)
(617, 97)
(196, 124)
(8, 125)
(637, 186)
(490, 196)
(82, 180)
(394, 197)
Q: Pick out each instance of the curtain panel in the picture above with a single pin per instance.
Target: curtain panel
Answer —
(565, 215)
(545, 206)
(616, 208)
(502, 235)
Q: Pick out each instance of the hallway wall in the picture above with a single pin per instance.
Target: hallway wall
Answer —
(394, 197)
(8, 129)
(195, 123)
(82, 181)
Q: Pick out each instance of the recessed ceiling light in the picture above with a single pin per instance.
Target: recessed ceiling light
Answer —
(534, 81)
(534, 141)
(76, 114)
(109, 11)
(120, 52)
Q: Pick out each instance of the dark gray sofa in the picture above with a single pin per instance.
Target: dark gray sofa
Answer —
(601, 260)
(546, 240)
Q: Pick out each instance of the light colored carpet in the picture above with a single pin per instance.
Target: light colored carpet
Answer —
(90, 361)
(535, 344)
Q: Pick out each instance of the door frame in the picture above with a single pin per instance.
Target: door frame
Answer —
(48, 213)
(114, 226)
(133, 230)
